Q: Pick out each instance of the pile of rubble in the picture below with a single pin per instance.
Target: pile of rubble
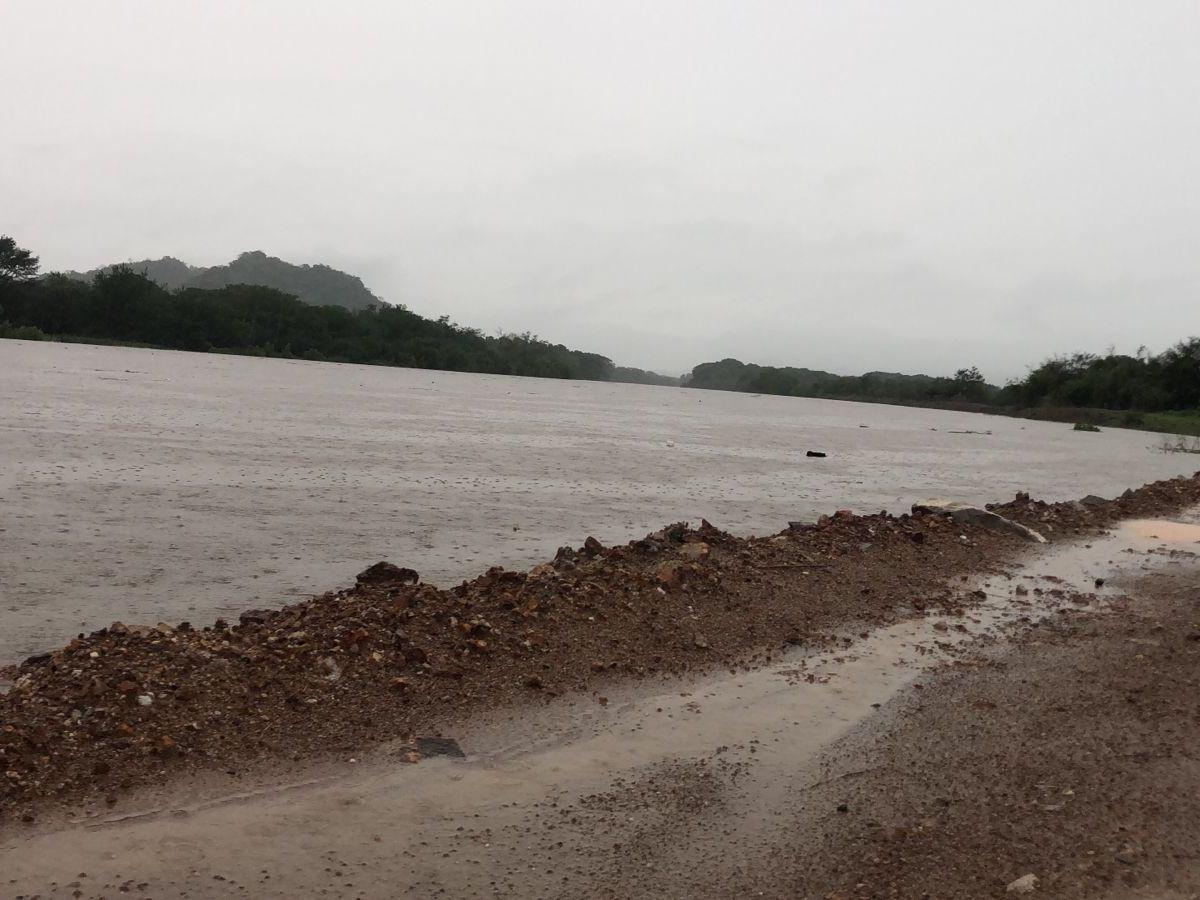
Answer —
(126, 705)
(1093, 512)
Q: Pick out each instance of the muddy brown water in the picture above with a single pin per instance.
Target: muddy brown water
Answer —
(148, 486)
(515, 816)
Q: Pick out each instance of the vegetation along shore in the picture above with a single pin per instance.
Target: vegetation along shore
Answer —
(262, 306)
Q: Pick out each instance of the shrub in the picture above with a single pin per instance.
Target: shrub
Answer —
(22, 332)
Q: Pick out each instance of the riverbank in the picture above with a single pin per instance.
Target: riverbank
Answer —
(131, 705)
(936, 745)
(1184, 423)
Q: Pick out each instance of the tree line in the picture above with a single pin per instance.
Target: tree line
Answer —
(1146, 382)
(1167, 381)
(121, 305)
(967, 385)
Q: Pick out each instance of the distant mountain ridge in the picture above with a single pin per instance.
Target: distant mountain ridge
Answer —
(316, 285)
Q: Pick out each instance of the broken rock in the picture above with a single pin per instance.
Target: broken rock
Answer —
(386, 573)
(670, 575)
(976, 515)
(1023, 885)
(439, 746)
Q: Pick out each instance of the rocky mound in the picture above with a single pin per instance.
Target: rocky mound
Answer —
(129, 704)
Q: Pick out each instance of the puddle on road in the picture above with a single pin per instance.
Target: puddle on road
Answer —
(1162, 530)
(776, 719)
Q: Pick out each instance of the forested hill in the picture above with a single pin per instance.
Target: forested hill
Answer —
(317, 285)
(123, 305)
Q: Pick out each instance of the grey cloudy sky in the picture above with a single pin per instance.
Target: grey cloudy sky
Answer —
(907, 186)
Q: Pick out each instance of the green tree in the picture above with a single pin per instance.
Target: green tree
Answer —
(16, 263)
(122, 304)
(969, 384)
(1179, 373)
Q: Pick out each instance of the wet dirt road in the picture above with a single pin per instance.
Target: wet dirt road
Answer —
(681, 789)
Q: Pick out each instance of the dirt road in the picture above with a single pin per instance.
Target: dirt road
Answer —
(1046, 732)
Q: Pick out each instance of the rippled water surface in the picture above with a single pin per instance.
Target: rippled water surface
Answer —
(152, 486)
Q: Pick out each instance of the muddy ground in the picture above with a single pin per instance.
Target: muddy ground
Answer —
(1070, 756)
(129, 705)
(865, 706)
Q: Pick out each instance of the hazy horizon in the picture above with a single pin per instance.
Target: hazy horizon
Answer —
(846, 187)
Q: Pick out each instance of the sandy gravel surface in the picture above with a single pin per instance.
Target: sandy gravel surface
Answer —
(1070, 757)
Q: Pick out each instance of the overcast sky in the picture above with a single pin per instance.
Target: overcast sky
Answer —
(849, 186)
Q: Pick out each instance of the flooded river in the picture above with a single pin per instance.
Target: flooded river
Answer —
(153, 486)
